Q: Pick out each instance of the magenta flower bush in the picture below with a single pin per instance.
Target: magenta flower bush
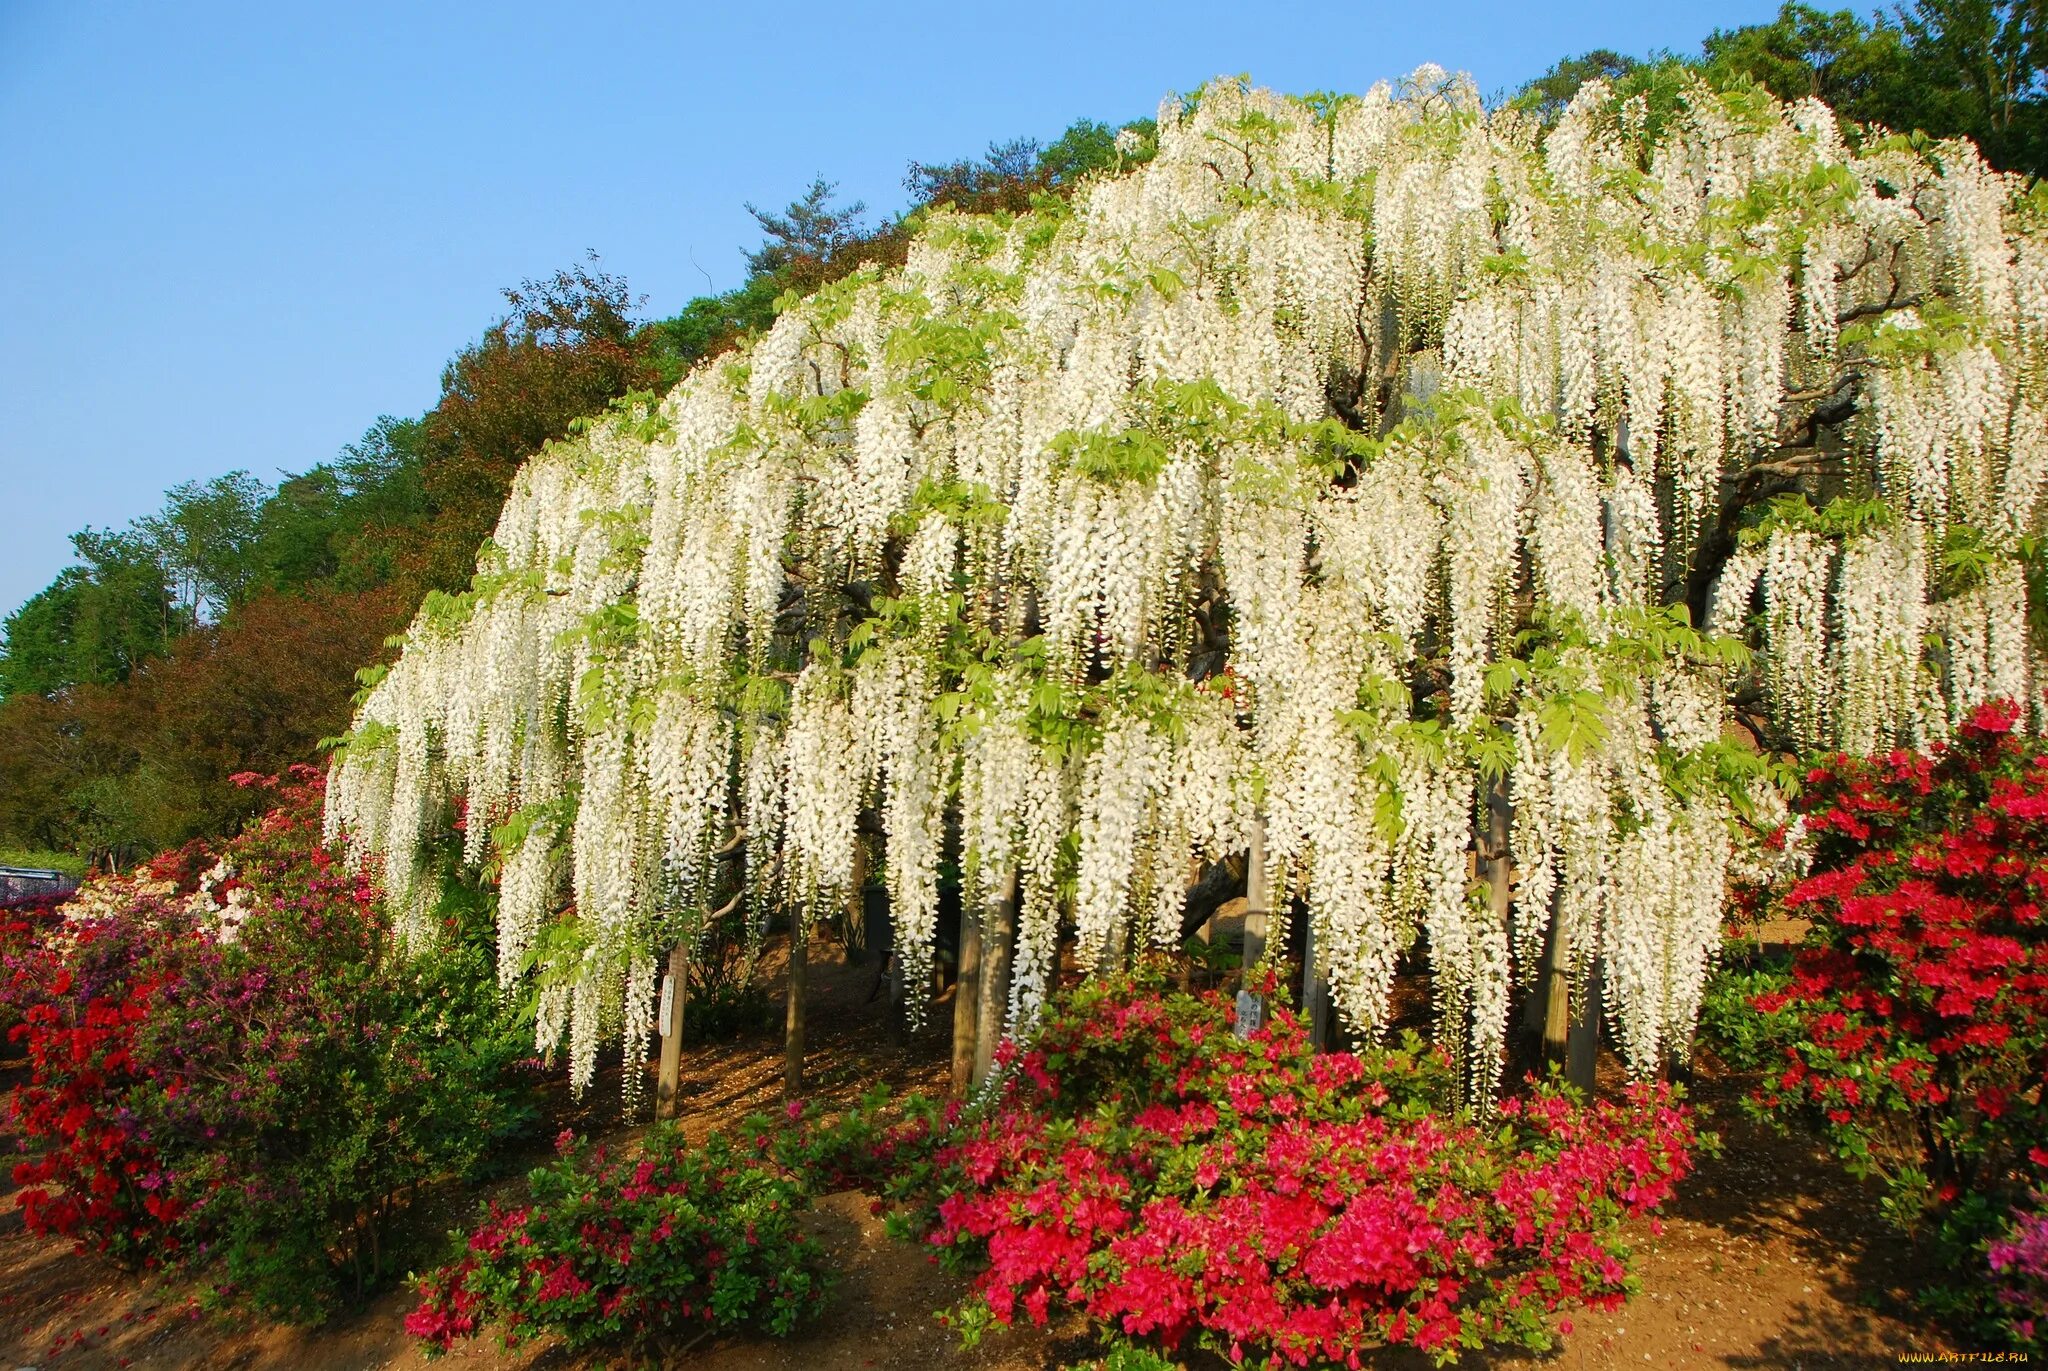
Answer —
(232, 1067)
(1181, 1186)
(2019, 1275)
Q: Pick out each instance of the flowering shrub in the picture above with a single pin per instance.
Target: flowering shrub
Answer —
(23, 925)
(2019, 1276)
(231, 1066)
(1913, 1030)
(94, 1174)
(1176, 1184)
(643, 1246)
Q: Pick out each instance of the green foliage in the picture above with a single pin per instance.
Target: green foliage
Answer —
(711, 323)
(639, 1247)
(1839, 518)
(203, 538)
(1743, 1036)
(96, 623)
(412, 1084)
(1547, 96)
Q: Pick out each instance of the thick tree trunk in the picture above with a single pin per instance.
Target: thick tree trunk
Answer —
(1217, 885)
(998, 942)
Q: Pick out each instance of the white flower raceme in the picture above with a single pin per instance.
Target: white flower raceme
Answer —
(1797, 568)
(1117, 796)
(1880, 616)
(1225, 496)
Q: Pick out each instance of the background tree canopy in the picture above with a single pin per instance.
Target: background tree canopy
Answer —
(1947, 68)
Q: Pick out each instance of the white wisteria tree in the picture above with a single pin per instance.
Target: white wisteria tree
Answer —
(1400, 484)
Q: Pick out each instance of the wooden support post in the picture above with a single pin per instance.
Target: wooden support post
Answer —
(998, 945)
(1258, 896)
(1582, 1048)
(1496, 866)
(1496, 854)
(1315, 993)
(1251, 1008)
(1535, 1003)
(793, 1022)
(1550, 1008)
(966, 1001)
(671, 1030)
(1116, 953)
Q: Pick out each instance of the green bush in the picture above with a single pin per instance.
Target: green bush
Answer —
(637, 1248)
(1741, 1035)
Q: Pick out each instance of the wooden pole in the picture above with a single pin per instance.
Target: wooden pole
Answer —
(1549, 1010)
(966, 1001)
(998, 941)
(1555, 987)
(1582, 1045)
(671, 1030)
(1495, 852)
(1258, 896)
(1315, 993)
(793, 1021)
(1251, 1007)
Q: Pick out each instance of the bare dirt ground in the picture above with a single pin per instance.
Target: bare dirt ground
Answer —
(1770, 1258)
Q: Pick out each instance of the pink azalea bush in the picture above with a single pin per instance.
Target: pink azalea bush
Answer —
(1179, 1185)
(2019, 1275)
(1911, 1029)
(1139, 1164)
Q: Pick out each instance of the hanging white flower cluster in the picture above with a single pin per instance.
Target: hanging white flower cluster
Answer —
(1332, 468)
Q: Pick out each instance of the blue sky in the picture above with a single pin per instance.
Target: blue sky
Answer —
(234, 235)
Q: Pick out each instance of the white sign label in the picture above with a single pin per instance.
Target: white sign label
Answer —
(668, 1004)
(1251, 1012)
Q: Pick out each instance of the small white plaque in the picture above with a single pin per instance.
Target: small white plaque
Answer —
(1251, 1013)
(668, 1005)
